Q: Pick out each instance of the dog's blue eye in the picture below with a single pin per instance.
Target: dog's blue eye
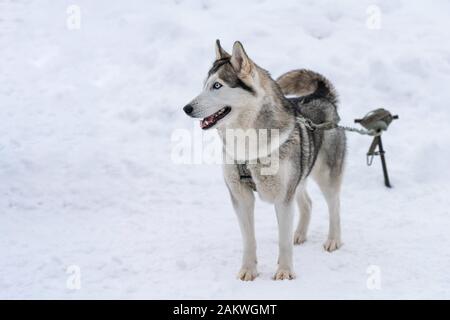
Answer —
(217, 85)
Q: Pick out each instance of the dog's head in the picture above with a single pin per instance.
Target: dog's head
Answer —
(230, 89)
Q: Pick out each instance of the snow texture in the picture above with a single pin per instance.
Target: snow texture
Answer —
(87, 177)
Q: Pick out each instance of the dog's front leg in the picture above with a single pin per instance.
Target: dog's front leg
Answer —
(285, 217)
(244, 202)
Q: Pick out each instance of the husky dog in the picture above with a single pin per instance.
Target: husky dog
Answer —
(239, 94)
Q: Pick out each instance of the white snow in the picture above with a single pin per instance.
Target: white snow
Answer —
(85, 153)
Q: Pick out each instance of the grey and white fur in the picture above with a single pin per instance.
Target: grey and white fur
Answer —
(239, 94)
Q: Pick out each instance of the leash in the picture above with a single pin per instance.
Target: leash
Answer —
(375, 123)
(329, 125)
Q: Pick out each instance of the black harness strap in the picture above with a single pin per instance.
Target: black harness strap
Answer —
(245, 176)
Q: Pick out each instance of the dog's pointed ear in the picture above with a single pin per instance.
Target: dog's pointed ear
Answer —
(239, 60)
(220, 53)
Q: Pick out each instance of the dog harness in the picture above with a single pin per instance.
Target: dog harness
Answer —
(245, 176)
(375, 122)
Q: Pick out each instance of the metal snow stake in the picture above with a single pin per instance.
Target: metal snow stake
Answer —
(377, 121)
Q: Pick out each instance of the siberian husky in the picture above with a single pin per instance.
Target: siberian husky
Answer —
(238, 94)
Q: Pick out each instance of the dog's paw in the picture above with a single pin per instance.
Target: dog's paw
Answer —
(284, 274)
(299, 238)
(332, 244)
(247, 274)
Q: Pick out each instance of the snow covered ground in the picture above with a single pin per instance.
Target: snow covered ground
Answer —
(87, 182)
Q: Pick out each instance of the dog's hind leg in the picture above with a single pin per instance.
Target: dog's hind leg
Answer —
(330, 185)
(304, 205)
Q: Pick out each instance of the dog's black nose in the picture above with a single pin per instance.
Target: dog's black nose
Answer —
(188, 109)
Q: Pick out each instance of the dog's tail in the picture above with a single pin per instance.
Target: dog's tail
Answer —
(305, 82)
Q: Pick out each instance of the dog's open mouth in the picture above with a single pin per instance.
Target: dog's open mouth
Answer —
(211, 120)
